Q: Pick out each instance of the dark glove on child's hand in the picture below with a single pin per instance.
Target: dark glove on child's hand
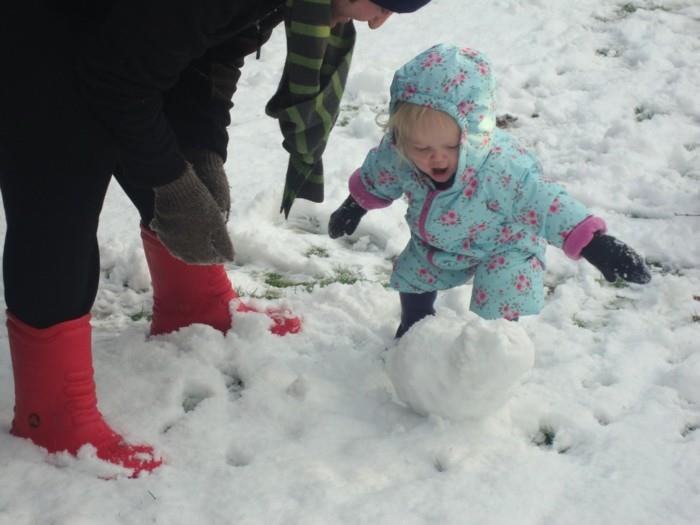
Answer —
(345, 219)
(209, 167)
(188, 222)
(615, 259)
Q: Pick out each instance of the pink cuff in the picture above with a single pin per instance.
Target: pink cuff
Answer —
(581, 235)
(363, 197)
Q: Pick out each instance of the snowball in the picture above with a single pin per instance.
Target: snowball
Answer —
(456, 369)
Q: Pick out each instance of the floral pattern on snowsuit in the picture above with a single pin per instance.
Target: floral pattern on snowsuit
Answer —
(495, 220)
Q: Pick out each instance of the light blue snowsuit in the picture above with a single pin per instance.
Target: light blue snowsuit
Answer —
(493, 223)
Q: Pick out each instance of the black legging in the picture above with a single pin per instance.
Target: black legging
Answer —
(56, 163)
(414, 307)
(51, 260)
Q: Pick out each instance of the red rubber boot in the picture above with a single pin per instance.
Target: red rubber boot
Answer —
(184, 294)
(55, 402)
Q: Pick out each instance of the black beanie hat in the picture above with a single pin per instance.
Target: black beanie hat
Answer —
(401, 6)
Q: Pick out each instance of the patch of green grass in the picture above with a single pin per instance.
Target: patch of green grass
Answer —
(278, 280)
(269, 293)
(341, 274)
(620, 283)
(631, 8)
(317, 251)
(141, 315)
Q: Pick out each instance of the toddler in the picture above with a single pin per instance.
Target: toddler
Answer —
(477, 203)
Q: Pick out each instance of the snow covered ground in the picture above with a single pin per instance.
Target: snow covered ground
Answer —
(602, 428)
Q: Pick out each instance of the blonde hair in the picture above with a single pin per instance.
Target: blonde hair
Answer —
(407, 117)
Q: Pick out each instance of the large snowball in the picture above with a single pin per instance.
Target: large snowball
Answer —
(459, 368)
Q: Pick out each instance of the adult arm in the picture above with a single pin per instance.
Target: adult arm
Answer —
(136, 55)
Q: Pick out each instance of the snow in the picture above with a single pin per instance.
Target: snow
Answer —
(459, 368)
(598, 416)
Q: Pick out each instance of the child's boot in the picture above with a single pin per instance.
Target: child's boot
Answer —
(184, 294)
(414, 307)
(55, 402)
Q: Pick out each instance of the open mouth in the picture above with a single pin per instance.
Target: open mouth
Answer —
(439, 172)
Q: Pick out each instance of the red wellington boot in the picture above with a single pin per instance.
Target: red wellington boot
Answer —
(55, 402)
(184, 294)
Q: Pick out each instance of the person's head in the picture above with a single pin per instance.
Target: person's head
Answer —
(457, 84)
(375, 12)
(429, 138)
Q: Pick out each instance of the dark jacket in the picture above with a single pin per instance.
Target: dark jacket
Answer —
(160, 74)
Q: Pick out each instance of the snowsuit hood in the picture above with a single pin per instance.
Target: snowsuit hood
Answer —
(457, 81)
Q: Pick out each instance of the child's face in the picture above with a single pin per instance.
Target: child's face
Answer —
(434, 148)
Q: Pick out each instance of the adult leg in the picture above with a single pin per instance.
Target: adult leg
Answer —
(51, 270)
(51, 258)
(184, 294)
(55, 166)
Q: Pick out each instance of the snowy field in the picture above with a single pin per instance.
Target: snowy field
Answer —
(603, 424)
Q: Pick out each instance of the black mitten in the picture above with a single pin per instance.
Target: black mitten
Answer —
(615, 259)
(345, 219)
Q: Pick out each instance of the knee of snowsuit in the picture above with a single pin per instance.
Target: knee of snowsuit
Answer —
(507, 285)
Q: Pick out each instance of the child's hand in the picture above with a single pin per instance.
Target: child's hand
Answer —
(615, 260)
(345, 219)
